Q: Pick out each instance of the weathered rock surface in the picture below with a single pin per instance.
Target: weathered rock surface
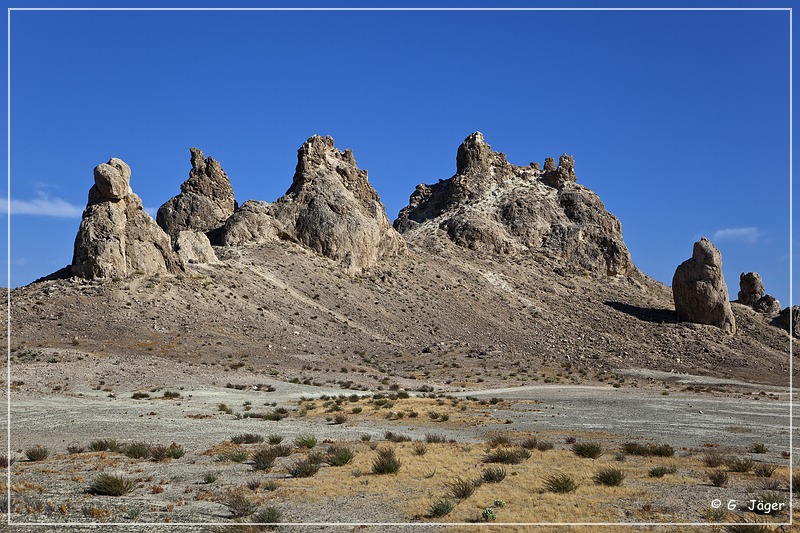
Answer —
(330, 208)
(117, 238)
(194, 247)
(699, 289)
(205, 202)
(783, 320)
(751, 288)
(768, 305)
(492, 206)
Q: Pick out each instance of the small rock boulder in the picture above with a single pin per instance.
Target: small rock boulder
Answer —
(789, 319)
(117, 238)
(205, 202)
(767, 305)
(751, 288)
(699, 290)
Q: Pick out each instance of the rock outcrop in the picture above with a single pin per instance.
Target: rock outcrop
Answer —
(492, 206)
(768, 305)
(330, 208)
(194, 247)
(117, 238)
(204, 203)
(699, 289)
(751, 288)
(789, 319)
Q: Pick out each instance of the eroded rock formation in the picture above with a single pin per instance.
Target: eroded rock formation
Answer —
(205, 201)
(699, 289)
(492, 206)
(117, 238)
(751, 288)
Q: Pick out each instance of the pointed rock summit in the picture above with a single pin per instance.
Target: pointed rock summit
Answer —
(117, 238)
(205, 201)
(492, 206)
(330, 208)
(699, 289)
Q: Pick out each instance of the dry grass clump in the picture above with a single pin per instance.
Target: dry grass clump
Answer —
(440, 507)
(386, 462)
(587, 450)
(661, 471)
(238, 505)
(611, 477)
(560, 483)
(508, 456)
(764, 469)
(339, 455)
(305, 441)
(461, 489)
(713, 459)
(110, 485)
(737, 464)
(247, 438)
(648, 449)
(718, 478)
(37, 453)
(494, 474)
(304, 467)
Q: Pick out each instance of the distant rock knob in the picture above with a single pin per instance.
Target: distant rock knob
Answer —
(113, 179)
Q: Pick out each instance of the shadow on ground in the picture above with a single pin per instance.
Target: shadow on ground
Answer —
(647, 314)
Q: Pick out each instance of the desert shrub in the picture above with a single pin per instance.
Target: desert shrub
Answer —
(236, 456)
(661, 471)
(104, 445)
(140, 395)
(767, 483)
(396, 437)
(434, 438)
(238, 505)
(440, 507)
(570, 440)
(386, 462)
(461, 489)
(305, 441)
(169, 395)
(37, 453)
(304, 468)
(110, 485)
(210, 477)
(488, 514)
(648, 450)
(175, 451)
(499, 440)
(544, 445)
(508, 456)
(494, 474)
(269, 517)
(263, 458)
(561, 483)
(281, 450)
(340, 418)
(137, 450)
(774, 501)
(419, 448)
(6, 461)
(587, 450)
(316, 457)
(75, 448)
(718, 478)
(610, 477)
(224, 408)
(764, 469)
(270, 485)
(247, 438)
(275, 439)
(737, 464)
(339, 455)
(530, 443)
(758, 447)
(713, 459)
(253, 484)
(157, 452)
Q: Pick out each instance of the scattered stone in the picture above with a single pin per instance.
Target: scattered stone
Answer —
(116, 237)
(699, 289)
(205, 202)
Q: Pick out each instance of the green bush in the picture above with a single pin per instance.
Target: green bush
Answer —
(238, 505)
(610, 477)
(110, 485)
(37, 453)
(736, 464)
(275, 439)
(661, 471)
(758, 447)
(104, 445)
(269, 517)
(587, 450)
(561, 483)
(386, 462)
(303, 468)
(494, 474)
(461, 489)
(264, 458)
(339, 455)
(247, 438)
(305, 441)
(440, 507)
(648, 450)
(137, 450)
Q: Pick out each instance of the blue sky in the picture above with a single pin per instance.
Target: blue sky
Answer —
(679, 120)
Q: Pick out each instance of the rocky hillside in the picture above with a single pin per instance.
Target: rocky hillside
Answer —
(498, 275)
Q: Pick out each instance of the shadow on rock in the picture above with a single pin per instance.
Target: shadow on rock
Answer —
(647, 314)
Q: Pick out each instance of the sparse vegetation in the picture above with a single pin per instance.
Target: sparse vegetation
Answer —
(494, 474)
(104, 445)
(386, 462)
(764, 469)
(111, 485)
(305, 441)
(247, 438)
(718, 478)
(304, 467)
(461, 489)
(738, 464)
(37, 453)
(560, 483)
(611, 477)
(758, 447)
(264, 458)
(508, 456)
(661, 471)
(648, 450)
(339, 455)
(238, 505)
(587, 450)
(137, 450)
(440, 507)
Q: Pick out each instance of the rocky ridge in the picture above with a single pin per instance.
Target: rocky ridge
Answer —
(492, 206)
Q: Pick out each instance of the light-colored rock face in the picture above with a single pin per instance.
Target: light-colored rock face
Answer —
(330, 208)
(117, 238)
(194, 247)
(699, 289)
(205, 202)
(492, 206)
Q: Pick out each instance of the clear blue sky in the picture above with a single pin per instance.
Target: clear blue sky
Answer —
(679, 120)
